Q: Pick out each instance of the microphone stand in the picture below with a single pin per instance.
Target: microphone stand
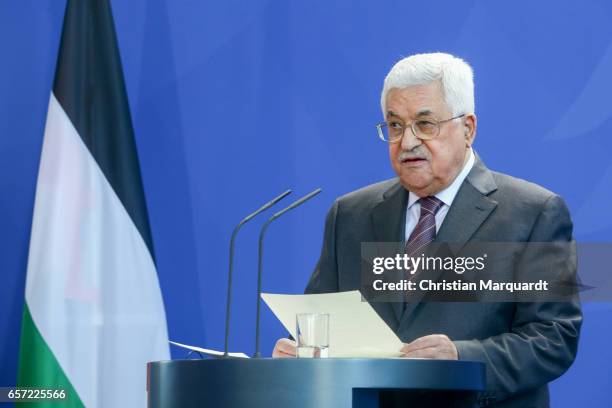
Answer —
(231, 262)
(264, 228)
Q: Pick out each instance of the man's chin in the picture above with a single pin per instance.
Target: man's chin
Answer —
(418, 187)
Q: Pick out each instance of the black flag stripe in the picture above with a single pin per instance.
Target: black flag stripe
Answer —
(90, 88)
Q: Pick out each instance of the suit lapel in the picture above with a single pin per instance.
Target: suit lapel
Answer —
(388, 223)
(470, 208)
(387, 215)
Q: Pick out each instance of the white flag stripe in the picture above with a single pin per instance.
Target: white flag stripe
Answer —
(92, 286)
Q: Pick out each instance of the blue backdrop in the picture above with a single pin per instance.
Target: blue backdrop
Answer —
(235, 101)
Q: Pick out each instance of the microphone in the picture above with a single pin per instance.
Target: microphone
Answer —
(231, 261)
(264, 228)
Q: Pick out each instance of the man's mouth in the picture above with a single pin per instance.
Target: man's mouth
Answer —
(412, 160)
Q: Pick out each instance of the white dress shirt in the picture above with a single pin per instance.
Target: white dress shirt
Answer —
(413, 210)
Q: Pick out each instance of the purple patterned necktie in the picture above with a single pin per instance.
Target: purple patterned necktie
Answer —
(425, 230)
(423, 234)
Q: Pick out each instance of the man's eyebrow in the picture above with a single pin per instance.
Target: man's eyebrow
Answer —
(421, 113)
(424, 112)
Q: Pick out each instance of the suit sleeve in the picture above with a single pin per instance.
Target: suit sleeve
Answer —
(325, 276)
(543, 338)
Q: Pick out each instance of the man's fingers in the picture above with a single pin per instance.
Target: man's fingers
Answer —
(287, 350)
(432, 346)
(431, 340)
(280, 354)
(429, 352)
(284, 348)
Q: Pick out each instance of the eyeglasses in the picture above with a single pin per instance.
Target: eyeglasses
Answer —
(424, 129)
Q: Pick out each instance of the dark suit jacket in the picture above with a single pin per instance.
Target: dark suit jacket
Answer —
(524, 345)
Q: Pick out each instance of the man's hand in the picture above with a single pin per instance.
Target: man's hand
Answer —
(437, 346)
(284, 348)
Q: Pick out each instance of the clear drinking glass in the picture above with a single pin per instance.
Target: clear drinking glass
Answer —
(312, 331)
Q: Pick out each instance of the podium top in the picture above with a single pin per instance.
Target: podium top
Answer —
(301, 382)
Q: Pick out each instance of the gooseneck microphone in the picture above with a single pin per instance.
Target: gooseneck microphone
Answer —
(231, 262)
(264, 228)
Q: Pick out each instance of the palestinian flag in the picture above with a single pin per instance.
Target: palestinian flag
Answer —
(93, 314)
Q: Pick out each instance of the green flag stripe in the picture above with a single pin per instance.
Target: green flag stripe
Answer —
(39, 368)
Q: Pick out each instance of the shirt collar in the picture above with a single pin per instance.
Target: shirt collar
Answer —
(447, 196)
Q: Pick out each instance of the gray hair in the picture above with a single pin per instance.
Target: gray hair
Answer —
(455, 75)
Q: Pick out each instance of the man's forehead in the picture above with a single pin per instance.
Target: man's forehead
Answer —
(416, 100)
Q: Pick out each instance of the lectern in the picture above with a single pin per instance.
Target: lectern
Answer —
(304, 383)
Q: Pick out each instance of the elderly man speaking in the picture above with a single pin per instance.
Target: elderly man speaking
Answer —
(444, 193)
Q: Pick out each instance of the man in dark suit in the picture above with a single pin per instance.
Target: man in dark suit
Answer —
(445, 193)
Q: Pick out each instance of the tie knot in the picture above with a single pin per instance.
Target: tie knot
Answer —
(431, 204)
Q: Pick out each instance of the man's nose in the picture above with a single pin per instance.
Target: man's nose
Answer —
(409, 140)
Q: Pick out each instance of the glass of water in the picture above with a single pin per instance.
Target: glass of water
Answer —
(312, 331)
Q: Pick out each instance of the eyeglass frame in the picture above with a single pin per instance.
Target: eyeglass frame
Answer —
(381, 125)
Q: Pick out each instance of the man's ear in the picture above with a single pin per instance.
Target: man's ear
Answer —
(470, 123)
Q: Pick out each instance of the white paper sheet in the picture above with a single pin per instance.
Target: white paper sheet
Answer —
(209, 352)
(356, 330)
